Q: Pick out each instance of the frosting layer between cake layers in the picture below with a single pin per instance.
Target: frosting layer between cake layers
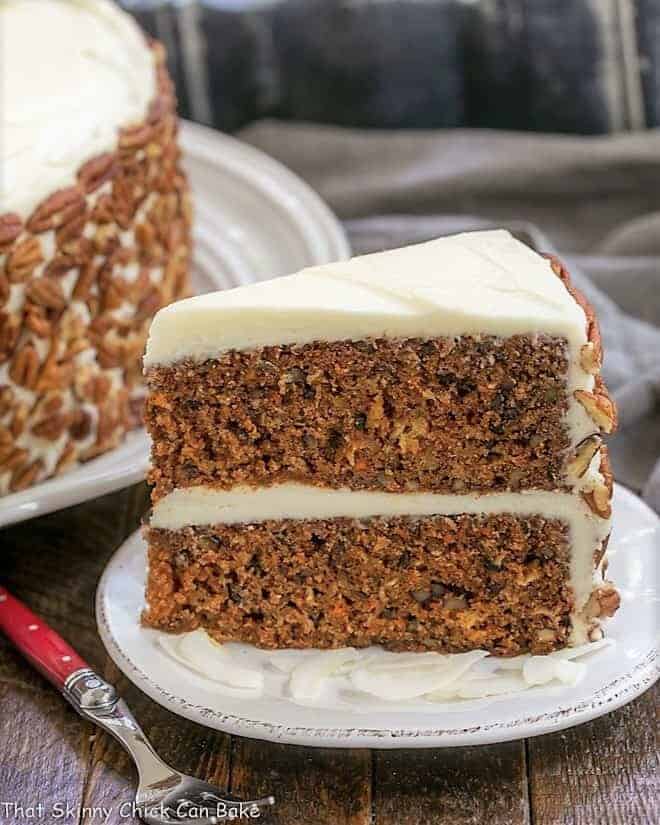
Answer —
(73, 72)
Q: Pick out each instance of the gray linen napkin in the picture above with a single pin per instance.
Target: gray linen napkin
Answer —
(594, 200)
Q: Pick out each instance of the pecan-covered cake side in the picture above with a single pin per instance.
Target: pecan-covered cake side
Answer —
(81, 276)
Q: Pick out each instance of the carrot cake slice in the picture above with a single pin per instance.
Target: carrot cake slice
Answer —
(402, 449)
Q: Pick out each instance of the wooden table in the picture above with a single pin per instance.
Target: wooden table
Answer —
(600, 773)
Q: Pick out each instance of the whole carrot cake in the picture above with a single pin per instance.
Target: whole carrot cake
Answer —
(94, 228)
(403, 449)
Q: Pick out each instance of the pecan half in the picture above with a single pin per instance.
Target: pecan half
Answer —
(58, 209)
(103, 211)
(583, 455)
(135, 137)
(23, 259)
(591, 358)
(24, 368)
(599, 495)
(51, 428)
(70, 232)
(97, 171)
(67, 458)
(19, 419)
(106, 239)
(599, 501)
(603, 602)
(81, 425)
(11, 458)
(10, 228)
(46, 292)
(599, 407)
(150, 304)
(109, 354)
(95, 388)
(25, 475)
(145, 237)
(55, 376)
(10, 328)
(123, 205)
(157, 109)
(36, 321)
(61, 265)
(6, 400)
(50, 404)
(86, 279)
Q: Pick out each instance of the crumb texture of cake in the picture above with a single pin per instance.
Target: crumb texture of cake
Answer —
(442, 583)
(399, 415)
(94, 229)
(439, 404)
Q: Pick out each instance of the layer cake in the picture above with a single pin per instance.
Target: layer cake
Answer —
(403, 449)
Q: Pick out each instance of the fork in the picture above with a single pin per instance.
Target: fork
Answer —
(164, 796)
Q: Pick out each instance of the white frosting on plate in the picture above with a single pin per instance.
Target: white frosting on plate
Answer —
(468, 284)
(352, 678)
(196, 506)
(72, 72)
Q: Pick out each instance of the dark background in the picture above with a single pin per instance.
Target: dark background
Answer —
(571, 66)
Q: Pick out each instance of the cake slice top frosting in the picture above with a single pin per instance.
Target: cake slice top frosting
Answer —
(72, 72)
(479, 282)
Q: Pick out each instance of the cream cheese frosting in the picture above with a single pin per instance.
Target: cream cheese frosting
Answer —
(72, 73)
(472, 283)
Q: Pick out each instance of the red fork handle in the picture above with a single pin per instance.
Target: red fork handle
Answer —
(40, 644)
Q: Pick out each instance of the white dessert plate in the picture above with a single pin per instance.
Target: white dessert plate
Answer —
(253, 220)
(614, 674)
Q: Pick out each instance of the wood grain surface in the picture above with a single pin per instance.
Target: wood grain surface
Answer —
(603, 773)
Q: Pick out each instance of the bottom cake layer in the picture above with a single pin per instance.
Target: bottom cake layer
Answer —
(499, 582)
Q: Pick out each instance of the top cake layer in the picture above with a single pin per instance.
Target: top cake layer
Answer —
(72, 73)
(467, 284)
